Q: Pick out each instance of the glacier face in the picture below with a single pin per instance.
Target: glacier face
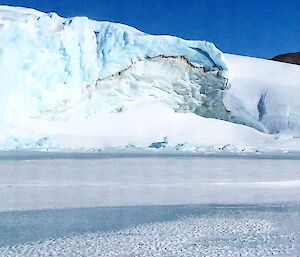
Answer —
(51, 66)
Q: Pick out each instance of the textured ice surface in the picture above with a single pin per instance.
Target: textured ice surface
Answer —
(183, 231)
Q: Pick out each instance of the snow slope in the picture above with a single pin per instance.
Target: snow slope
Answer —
(268, 90)
(78, 83)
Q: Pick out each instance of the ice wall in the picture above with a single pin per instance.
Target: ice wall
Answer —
(47, 63)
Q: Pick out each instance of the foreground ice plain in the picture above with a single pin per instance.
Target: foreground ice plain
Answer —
(172, 231)
(87, 84)
(235, 207)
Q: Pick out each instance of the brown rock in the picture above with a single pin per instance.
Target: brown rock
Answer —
(293, 58)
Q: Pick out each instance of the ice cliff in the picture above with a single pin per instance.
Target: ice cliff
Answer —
(50, 65)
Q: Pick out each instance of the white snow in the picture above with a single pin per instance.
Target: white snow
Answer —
(140, 127)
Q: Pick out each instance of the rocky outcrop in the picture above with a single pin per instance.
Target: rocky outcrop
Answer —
(293, 58)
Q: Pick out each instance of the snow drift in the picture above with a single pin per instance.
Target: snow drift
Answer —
(61, 71)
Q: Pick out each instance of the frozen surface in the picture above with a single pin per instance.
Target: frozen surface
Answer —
(123, 181)
(178, 206)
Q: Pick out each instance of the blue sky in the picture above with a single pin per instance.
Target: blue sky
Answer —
(261, 28)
